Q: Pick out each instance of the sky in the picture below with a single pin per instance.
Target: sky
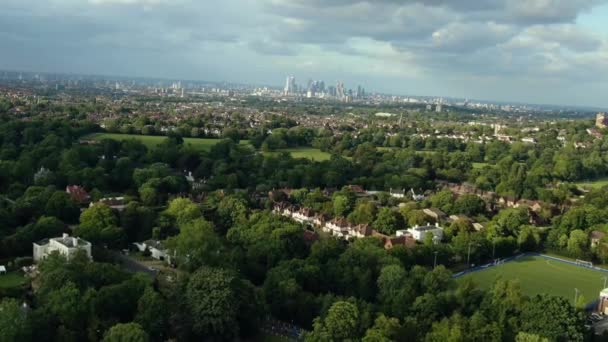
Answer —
(533, 51)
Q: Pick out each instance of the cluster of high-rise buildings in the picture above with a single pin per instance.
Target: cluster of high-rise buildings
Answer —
(318, 89)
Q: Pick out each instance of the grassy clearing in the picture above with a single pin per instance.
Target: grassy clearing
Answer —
(479, 165)
(539, 275)
(151, 141)
(11, 280)
(202, 144)
(304, 153)
(595, 184)
(387, 149)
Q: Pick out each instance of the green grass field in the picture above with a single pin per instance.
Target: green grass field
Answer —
(387, 149)
(539, 275)
(304, 153)
(153, 140)
(202, 144)
(596, 184)
(11, 280)
(479, 165)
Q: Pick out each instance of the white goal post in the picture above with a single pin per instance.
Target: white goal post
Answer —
(584, 263)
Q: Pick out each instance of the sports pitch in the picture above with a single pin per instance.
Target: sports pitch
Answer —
(540, 275)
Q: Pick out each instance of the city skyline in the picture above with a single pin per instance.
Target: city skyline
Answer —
(540, 51)
(118, 82)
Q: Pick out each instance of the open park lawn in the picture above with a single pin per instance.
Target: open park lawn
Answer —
(11, 280)
(202, 144)
(304, 153)
(540, 275)
(153, 140)
(595, 184)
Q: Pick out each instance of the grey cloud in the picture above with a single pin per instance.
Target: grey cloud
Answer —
(464, 37)
(267, 47)
(499, 39)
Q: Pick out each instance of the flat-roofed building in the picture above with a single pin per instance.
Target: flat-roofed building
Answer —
(65, 245)
(419, 233)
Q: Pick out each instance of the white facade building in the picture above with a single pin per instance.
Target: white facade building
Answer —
(66, 245)
(303, 215)
(337, 227)
(419, 233)
(156, 248)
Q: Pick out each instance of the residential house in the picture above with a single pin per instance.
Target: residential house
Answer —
(357, 189)
(78, 194)
(280, 207)
(459, 217)
(435, 213)
(416, 197)
(195, 184)
(478, 226)
(507, 201)
(65, 245)
(596, 237)
(391, 241)
(320, 219)
(360, 231)
(533, 205)
(338, 227)
(117, 203)
(397, 193)
(529, 140)
(304, 215)
(419, 233)
(156, 248)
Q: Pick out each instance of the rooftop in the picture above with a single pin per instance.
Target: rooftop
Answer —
(425, 228)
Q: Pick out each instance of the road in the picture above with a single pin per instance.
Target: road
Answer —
(132, 265)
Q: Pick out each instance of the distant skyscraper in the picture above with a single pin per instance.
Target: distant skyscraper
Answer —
(331, 90)
(290, 85)
(340, 90)
(439, 108)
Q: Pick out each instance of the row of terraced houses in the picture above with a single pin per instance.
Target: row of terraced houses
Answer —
(342, 228)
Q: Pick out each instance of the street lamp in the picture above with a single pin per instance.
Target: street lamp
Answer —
(435, 262)
(469, 254)
(493, 247)
(575, 296)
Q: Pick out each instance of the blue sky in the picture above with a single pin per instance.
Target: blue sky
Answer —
(536, 51)
(596, 20)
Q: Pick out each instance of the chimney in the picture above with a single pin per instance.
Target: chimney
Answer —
(65, 235)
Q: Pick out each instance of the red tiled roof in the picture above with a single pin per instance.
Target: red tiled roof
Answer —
(78, 193)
